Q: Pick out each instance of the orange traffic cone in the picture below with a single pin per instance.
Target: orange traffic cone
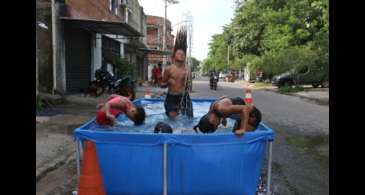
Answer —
(90, 180)
(248, 97)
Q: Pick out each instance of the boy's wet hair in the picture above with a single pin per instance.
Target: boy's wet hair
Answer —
(180, 40)
(204, 125)
(255, 113)
(163, 128)
(140, 116)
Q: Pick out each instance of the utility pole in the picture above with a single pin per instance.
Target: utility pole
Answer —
(164, 40)
(42, 25)
(54, 45)
(227, 59)
(164, 35)
(36, 60)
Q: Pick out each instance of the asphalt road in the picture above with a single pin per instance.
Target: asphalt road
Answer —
(300, 149)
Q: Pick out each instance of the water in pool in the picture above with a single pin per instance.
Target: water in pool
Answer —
(155, 112)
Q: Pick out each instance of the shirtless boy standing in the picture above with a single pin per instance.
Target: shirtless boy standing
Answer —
(175, 77)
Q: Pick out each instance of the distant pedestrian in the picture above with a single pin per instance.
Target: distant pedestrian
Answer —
(158, 73)
(154, 75)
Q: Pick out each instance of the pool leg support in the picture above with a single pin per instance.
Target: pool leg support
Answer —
(164, 169)
(77, 158)
(269, 169)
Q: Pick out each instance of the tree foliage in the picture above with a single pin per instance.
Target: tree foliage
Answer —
(274, 36)
(195, 64)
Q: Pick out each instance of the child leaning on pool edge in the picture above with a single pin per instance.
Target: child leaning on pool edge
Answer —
(247, 117)
(115, 105)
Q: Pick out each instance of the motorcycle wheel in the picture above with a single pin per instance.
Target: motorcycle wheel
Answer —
(95, 89)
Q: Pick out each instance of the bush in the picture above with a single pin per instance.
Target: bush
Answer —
(286, 59)
(123, 67)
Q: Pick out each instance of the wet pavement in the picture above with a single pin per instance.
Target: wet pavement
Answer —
(55, 148)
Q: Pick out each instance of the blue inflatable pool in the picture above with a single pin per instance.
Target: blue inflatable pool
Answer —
(147, 163)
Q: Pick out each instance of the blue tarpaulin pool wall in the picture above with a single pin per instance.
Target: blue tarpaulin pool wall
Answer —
(147, 163)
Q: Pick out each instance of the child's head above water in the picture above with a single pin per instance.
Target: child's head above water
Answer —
(163, 128)
(137, 115)
(255, 117)
(205, 126)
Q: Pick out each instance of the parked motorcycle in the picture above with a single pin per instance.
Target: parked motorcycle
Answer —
(118, 85)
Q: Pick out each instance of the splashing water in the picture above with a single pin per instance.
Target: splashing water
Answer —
(155, 112)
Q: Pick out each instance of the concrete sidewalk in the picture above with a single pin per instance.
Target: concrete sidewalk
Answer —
(320, 97)
(55, 147)
(93, 101)
(317, 95)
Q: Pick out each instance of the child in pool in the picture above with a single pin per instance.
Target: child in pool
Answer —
(165, 128)
(247, 117)
(115, 105)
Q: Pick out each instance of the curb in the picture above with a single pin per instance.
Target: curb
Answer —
(316, 100)
(319, 101)
(50, 166)
(82, 102)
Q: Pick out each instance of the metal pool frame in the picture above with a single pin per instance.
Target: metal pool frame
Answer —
(79, 150)
(164, 157)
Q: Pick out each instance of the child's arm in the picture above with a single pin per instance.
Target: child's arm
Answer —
(165, 77)
(108, 106)
(237, 109)
(244, 122)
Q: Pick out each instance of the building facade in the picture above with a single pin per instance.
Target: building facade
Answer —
(155, 42)
(83, 36)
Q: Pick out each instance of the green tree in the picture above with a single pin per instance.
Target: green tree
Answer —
(274, 36)
(195, 64)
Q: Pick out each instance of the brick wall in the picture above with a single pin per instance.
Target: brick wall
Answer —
(92, 9)
(152, 37)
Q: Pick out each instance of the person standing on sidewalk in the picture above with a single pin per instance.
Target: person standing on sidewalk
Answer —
(154, 79)
(176, 77)
(158, 73)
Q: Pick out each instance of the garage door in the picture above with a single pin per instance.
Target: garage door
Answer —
(78, 59)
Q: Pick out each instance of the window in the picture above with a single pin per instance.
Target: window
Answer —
(113, 6)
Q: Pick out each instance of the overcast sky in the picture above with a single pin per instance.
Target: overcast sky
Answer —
(209, 17)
